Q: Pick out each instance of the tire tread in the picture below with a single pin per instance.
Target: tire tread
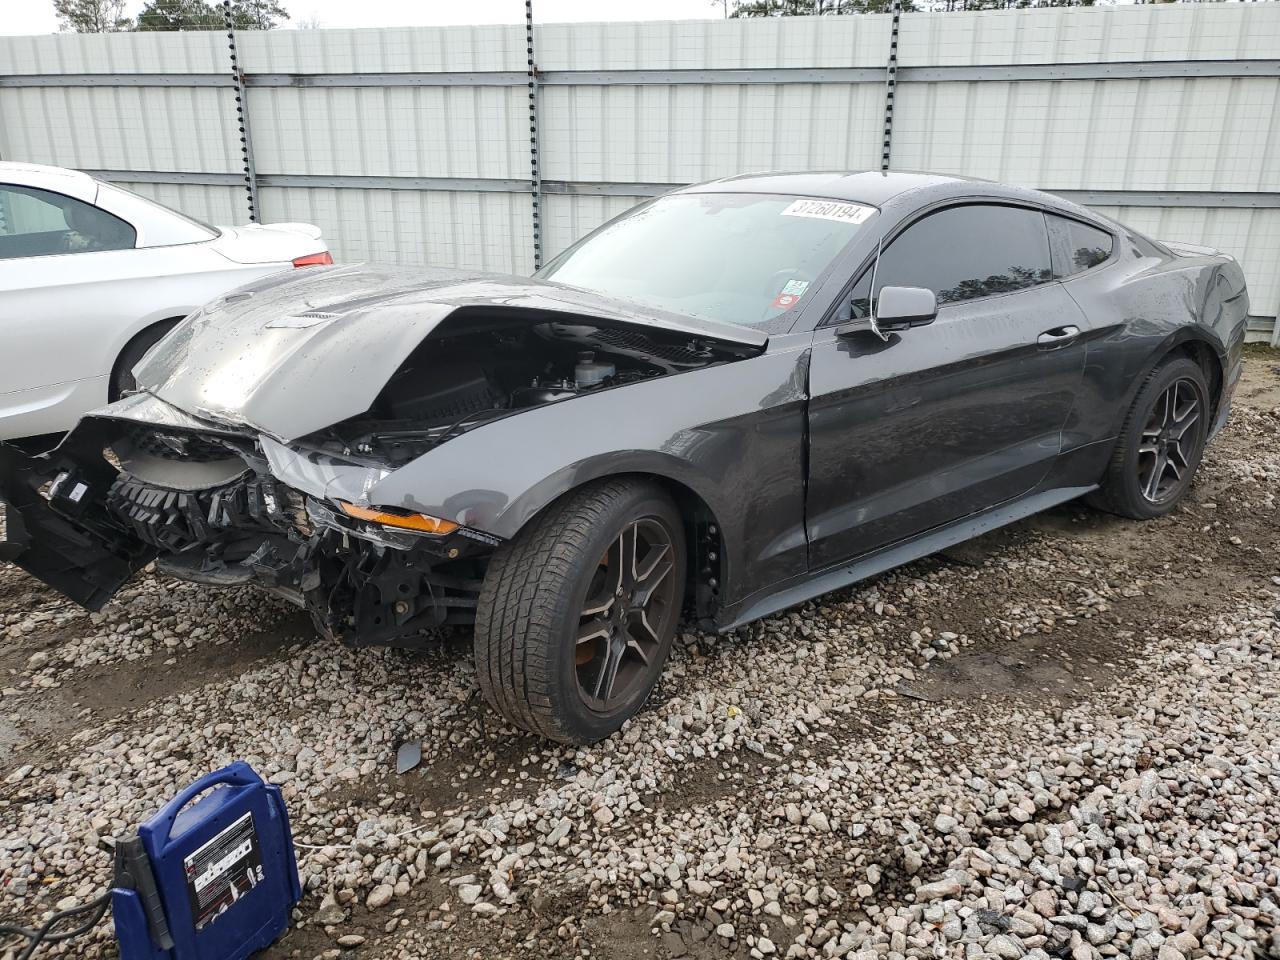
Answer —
(526, 588)
(1111, 494)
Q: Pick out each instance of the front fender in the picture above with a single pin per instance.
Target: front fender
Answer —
(732, 433)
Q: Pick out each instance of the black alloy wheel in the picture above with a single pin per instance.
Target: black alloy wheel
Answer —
(1160, 443)
(630, 605)
(579, 610)
(1163, 460)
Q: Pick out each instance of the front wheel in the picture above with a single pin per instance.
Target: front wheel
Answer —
(577, 613)
(1161, 443)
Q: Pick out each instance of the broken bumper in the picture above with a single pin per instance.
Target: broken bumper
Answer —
(142, 481)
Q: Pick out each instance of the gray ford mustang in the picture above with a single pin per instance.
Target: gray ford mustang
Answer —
(726, 401)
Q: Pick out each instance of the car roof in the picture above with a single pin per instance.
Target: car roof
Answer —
(867, 186)
(878, 188)
(72, 183)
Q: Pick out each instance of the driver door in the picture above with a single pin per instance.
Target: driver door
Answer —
(945, 420)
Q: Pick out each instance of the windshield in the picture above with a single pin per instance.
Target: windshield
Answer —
(733, 257)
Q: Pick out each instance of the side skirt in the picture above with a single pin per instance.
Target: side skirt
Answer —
(794, 592)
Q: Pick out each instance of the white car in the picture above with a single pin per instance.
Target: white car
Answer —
(91, 276)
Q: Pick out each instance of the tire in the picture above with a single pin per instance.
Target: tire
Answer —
(122, 375)
(1162, 438)
(558, 609)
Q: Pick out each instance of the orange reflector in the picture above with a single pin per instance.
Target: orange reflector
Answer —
(396, 518)
(315, 260)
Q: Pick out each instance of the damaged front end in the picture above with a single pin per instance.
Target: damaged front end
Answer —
(254, 453)
(208, 504)
(150, 483)
(267, 420)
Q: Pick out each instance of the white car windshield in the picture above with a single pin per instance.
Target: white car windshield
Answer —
(739, 258)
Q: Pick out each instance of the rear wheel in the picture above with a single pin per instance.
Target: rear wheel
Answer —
(1161, 443)
(577, 614)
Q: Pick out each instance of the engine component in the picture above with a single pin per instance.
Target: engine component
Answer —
(433, 394)
(542, 392)
(589, 372)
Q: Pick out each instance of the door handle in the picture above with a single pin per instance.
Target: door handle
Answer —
(1058, 336)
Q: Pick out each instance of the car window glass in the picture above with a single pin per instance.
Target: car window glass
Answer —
(960, 253)
(40, 223)
(159, 225)
(1076, 246)
(748, 259)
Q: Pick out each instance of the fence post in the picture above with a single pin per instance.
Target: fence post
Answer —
(242, 118)
(535, 176)
(890, 82)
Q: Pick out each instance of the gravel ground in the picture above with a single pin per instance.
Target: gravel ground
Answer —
(1062, 740)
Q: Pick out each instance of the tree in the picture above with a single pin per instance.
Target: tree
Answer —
(180, 15)
(813, 8)
(92, 16)
(202, 15)
(257, 14)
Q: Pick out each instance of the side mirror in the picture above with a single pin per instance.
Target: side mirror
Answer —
(897, 308)
(900, 307)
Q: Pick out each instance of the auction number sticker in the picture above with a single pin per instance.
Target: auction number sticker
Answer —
(790, 294)
(837, 210)
(223, 870)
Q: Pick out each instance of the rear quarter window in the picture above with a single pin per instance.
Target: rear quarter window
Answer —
(1077, 247)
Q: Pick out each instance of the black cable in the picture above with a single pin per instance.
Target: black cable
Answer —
(97, 907)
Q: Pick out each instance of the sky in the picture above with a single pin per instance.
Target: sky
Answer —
(21, 17)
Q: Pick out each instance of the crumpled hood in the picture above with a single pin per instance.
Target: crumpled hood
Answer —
(303, 350)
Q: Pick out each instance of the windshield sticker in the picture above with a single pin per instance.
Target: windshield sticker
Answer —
(791, 292)
(829, 210)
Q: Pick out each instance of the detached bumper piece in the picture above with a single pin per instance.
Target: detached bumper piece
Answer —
(58, 529)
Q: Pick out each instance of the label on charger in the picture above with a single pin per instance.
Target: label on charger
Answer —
(223, 870)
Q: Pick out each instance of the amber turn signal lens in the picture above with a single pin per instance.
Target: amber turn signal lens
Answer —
(394, 518)
(315, 260)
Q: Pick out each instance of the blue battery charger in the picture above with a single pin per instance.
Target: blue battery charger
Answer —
(213, 879)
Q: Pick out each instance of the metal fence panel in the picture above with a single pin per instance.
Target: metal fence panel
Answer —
(390, 131)
(414, 144)
(443, 228)
(716, 44)
(686, 133)
(1151, 32)
(121, 128)
(210, 204)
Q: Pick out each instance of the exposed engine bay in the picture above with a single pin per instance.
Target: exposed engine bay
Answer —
(202, 498)
(454, 383)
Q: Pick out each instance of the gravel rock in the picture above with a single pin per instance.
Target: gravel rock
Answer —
(938, 890)
(1060, 741)
(380, 896)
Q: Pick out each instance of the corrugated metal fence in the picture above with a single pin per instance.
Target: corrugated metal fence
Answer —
(414, 145)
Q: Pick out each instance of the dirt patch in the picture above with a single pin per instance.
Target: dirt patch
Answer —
(881, 705)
